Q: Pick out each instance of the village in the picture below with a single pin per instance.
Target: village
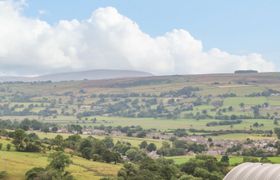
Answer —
(261, 147)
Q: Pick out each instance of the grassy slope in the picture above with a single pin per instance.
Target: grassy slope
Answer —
(17, 163)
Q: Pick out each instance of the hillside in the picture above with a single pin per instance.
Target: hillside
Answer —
(209, 83)
(124, 101)
(226, 109)
(17, 163)
(81, 75)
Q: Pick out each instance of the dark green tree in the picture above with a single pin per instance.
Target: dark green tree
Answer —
(143, 145)
(59, 161)
(277, 132)
(151, 147)
(225, 159)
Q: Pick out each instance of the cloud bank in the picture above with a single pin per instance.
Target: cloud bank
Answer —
(107, 40)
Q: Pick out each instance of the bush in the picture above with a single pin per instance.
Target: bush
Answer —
(3, 174)
(250, 159)
(8, 147)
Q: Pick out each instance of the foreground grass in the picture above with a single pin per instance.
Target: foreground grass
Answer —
(17, 163)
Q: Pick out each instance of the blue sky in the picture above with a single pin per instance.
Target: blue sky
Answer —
(161, 37)
(235, 26)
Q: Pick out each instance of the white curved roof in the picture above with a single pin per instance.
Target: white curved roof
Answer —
(254, 171)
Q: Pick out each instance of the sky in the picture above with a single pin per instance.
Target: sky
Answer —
(161, 37)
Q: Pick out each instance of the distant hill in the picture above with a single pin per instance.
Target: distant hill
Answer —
(81, 75)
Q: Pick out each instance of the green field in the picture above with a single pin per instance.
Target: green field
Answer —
(132, 140)
(233, 160)
(66, 99)
(17, 163)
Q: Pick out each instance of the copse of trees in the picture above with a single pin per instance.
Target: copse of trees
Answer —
(180, 147)
(180, 132)
(98, 150)
(226, 95)
(266, 93)
(267, 133)
(224, 123)
(54, 170)
(186, 92)
(206, 167)
(75, 128)
(27, 124)
(73, 141)
(198, 168)
(256, 152)
(26, 142)
(150, 169)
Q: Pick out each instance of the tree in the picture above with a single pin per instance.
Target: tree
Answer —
(205, 167)
(35, 173)
(59, 161)
(108, 141)
(277, 132)
(135, 155)
(86, 147)
(26, 143)
(250, 159)
(265, 160)
(143, 145)
(73, 141)
(242, 105)
(189, 177)
(58, 142)
(180, 132)
(33, 136)
(87, 152)
(55, 169)
(150, 169)
(277, 146)
(122, 147)
(8, 147)
(109, 156)
(19, 139)
(225, 159)
(75, 128)
(128, 170)
(3, 174)
(151, 147)
(256, 111)
(141, 134)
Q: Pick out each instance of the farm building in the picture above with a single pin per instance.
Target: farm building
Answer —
(254, 171)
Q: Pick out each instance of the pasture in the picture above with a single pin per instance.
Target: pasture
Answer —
(134, 141)
(233, 160)
(17, 163)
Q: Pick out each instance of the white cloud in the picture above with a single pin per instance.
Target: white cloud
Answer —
(107, 40)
